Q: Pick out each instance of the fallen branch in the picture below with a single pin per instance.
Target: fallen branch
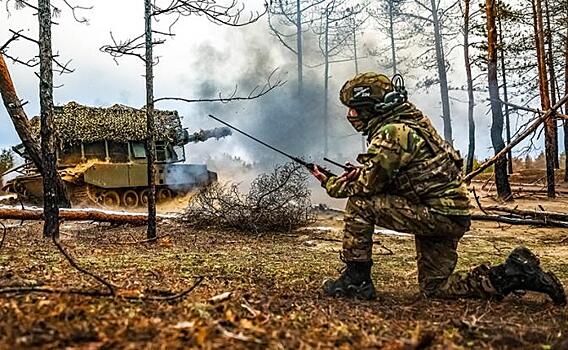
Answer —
(519, 221)
(80, 269)
(535, 189)
(95, 293)
(537, 214)
(542, 118)
(79, 215)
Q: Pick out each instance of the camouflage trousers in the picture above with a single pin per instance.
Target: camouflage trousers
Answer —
(436, 238)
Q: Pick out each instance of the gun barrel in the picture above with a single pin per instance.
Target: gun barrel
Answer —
(204, 135)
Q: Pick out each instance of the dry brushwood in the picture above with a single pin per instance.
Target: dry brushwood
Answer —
(278, 202)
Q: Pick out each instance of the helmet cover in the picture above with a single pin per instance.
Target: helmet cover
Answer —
(367, 87)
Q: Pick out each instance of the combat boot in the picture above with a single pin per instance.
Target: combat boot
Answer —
(522, 271)
(355, 282)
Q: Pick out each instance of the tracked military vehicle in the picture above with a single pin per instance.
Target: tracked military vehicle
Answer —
(102, 159)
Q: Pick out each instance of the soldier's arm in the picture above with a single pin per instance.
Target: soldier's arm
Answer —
(393, 147)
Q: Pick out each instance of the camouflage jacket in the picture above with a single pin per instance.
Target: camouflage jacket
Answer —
(407, 157)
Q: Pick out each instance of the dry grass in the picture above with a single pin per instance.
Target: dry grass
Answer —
(275, 285)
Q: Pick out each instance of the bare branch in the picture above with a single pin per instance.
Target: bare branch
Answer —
(20, 35)
(255, 93)
(127, 47)
(75, 8)
(13, 38)
(32, 62)
(80, 269)
(230, 14)
(280, 36)
(95, 293)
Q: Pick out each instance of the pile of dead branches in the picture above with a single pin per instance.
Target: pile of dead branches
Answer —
(278, 202)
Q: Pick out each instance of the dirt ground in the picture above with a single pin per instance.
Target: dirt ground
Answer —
(274, 283)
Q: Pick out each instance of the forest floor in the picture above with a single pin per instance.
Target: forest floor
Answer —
(272, 285)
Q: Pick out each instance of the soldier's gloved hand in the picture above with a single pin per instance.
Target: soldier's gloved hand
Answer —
(350, 165)
(352, 172)
(315, 170)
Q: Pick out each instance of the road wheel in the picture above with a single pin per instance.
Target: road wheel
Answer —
(95, 195)
(111, 199)
(144, 197)
(130, 199)
(164, 195)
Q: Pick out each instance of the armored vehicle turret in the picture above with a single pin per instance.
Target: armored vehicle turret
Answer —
(101, 157)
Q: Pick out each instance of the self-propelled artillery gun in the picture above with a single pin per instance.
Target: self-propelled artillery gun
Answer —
(101, 157)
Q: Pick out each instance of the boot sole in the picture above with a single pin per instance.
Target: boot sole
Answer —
(549, 282)
(364, 292)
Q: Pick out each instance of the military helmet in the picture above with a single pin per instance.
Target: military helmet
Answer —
(365, 89)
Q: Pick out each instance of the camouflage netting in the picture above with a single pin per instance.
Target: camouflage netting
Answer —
(75, 123)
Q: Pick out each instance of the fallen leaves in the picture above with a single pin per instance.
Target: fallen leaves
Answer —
(257, 293)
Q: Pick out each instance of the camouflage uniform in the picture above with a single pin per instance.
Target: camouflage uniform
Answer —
(410, 181)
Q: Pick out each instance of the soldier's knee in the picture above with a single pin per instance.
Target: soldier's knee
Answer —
(356, 205)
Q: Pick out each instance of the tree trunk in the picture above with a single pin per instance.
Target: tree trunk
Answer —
(506, 98)
(501, 178)
(363, 138)
(391, 34)
(18, 115)
(355, 58)
(552, 83)
(23, 129)
(442, 76)
(471, 101)
(565, 127)
(299, 53)
(50, 195)
(565, 122)
(326, 86)
(544, 97)
(150, 145)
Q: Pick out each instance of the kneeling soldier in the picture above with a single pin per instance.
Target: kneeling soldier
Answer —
(410, 180)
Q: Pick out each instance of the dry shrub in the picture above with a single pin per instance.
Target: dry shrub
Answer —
(278, 201)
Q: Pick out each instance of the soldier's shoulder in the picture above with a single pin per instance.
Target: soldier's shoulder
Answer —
(394, 130)
(397, 133)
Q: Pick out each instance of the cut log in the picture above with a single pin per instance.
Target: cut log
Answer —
(79, 215)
